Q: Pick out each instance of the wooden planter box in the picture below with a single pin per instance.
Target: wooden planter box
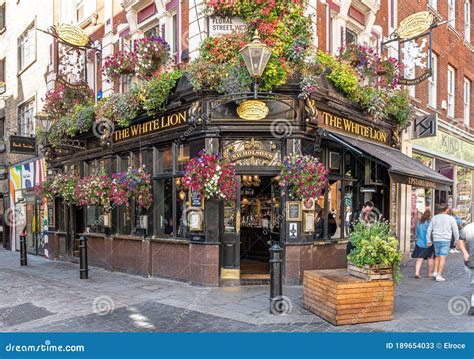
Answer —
(370, 272)
(340, 298)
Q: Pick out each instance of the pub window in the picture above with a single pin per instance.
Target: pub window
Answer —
(183, 156)
(164, 160)
(163, 203)
(124, 213)
(335, 161)
(27, 47)
(26, 113)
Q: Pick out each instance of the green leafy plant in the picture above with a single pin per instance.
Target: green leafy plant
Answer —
(156, 91)
(120, 108)
(374, 245)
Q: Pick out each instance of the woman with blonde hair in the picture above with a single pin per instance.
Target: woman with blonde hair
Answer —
(423, 248)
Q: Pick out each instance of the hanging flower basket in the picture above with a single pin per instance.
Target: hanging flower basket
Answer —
(118, 64)
(152, 53)
(212, 176)
(136, 184)
(93, 190)
(303, 177)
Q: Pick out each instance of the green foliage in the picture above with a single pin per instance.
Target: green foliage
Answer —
(120, 108)
(375, 246)
(156, 91)
(398, 106)
(340, 73)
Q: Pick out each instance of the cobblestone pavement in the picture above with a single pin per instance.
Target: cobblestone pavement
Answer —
(49, 296)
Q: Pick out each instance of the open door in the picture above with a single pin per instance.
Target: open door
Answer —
(230, 249)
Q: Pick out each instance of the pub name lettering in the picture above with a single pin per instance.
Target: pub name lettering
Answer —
(354, 127)
(163, 123)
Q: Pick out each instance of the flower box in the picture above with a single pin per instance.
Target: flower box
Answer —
(370, 273)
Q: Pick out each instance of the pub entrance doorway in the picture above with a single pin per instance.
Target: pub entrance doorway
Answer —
(259, 213)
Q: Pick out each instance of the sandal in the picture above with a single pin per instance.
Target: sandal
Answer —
(417, 277)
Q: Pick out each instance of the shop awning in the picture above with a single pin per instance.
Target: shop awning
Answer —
(402, 169)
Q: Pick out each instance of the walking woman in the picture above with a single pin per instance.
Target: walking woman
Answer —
(423, 249)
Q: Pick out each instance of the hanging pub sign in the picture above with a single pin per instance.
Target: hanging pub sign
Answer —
(21, 144)
(224, 25)
(166, 122)
(71, 35)
(414, 43)
(73, 47)
(415, 25)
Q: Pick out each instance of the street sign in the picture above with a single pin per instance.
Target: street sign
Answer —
(425, 126)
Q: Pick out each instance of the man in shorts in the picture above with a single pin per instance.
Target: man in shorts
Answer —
(466, 244)
(440, 231)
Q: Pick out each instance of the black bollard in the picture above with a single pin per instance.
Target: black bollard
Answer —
(23, 255)
(84, 268)
(276, 286)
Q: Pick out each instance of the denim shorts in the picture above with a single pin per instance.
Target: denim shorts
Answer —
(441, 248)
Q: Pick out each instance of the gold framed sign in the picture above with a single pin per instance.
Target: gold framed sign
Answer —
(195, 219)
(293, 211)
(415, 24)
(252, 110)
(308, 221)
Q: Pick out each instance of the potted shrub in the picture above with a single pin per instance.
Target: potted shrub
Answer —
(375, 255)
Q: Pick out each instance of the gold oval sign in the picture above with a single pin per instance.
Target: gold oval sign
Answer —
(72, 35)
(415, 24)
(252, 110)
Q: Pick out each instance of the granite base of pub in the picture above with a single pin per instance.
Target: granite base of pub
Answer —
(190, 262)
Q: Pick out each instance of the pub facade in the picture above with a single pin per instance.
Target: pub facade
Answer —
(185, 237)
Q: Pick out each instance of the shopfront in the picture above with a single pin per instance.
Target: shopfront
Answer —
(453, 156)
(209, 242)
(26, 213)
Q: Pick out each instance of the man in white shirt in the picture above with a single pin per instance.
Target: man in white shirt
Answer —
(440, 231)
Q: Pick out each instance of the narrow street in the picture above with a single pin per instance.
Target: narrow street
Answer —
(49, 296)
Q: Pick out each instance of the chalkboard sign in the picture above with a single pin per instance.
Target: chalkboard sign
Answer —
(196, 199)
(293, 211)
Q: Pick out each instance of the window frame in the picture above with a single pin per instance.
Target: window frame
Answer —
(433, 4)
(31, 121)
(3, 17)
(452, 13)
(451, 87)
(467, 101)
(23, 64)
(467, 21)
(433, 82)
